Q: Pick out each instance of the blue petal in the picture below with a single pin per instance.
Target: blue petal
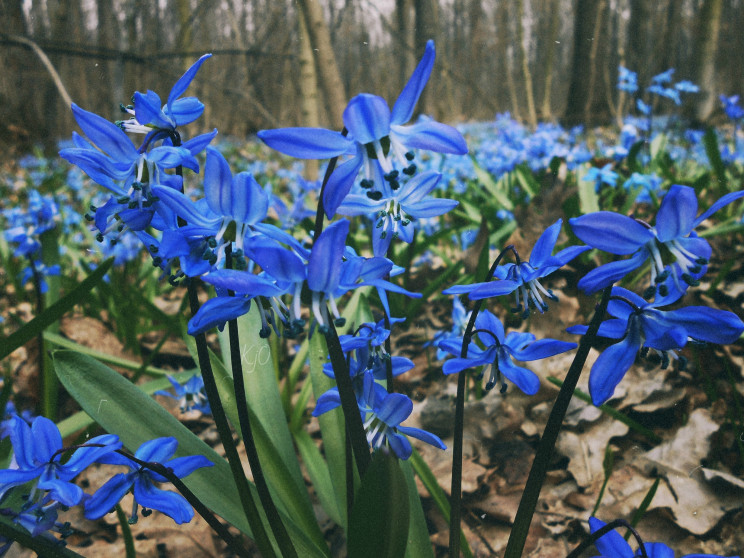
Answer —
(170, 503)
(148, 110)
(543, 248)
(46, 439)
(182, 206)
(185, 80)
(611, 366)
(677, 213)
(105, 498)
(455, 365)
(327, 402)
(106, 135)
(216, 311)
(431, 136)
(487, 290)
(723, 201)
(395, 408)
(308, 143)
(66, 493)
(605, 275)
(184, 466)
(400, 445)
(543, 348)
(367, 117)
(339, 184)
(423, 435)
(419, 187)
(242, 282)
(250, 202)
(185, 111)
(324, 264)
(432, 207)
(611, 232)
(198, 143)
(86, 455)
(611, 545)
(279, 262)
(218, 183)
(406, 102)
(488, 321)
(158, 450)
(525, 379)
(708, 324)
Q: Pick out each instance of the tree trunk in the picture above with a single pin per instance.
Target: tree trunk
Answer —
(325, 60)
(426, 28)
(308, 91)
(404, 26)
(526, 75)
(549, 57)
(704, 63)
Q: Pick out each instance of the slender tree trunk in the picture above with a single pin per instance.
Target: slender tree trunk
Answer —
(325, 60)
(592, 86)
(526, 74)
(404, 26)
(704, 64)
(308, 91)
(549, 58)
(426, 28)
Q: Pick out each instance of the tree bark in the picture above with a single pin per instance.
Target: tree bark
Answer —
(325, 60)
(704, 63)
(308, 91)
(526, 74)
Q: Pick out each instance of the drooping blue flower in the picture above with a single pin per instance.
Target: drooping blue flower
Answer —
(382, 414)
(627, 80)
(731, 107)
(600, 176)
(639, 324)
(522, 278)
(38, 454)
(41, 270)
(613, 545)
(673, 233)
(499, 351)
(141, 481)
(377, 140)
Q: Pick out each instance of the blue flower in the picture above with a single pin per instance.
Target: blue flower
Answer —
(673, 233)
(377, 140)
(522, 278)
(382, 413)
(38, 455)
(149, 114)
(613, 545)
(639, 324)
(141, 481)
(731, 107)
(395, 209)
(605, 175)
(499, 351)
(627, 80)
(190, 396)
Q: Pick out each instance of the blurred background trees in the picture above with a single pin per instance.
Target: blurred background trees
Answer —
(274, 60)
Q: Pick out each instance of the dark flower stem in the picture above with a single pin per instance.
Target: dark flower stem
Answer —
(272, 514)
(531, 493)
(320, 211)
(223, 428)
(47, 378)
(456, 487)
(594, 537)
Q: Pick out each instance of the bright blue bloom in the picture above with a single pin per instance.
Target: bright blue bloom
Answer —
(673, 231)
(141, 481)
(731, 107)
(642, 325)
(38, 454)
(382, 413)
(605, 175)
(663, 77)
(627, 80)
(499, 351)
(395, 210)
(613, 545)
(190, 396)
(650, 185)
(43, 271)
(686, 86)
(522, 278)
(150, 115)
(377, 139)
(643, 108)
(25, 226)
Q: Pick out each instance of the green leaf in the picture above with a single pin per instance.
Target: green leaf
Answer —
(317, 470)
(495, 188)
(55, 311)
(419, 544)
(658, 147)
(710, 141)
(588, 198)
(527, 180)
(378, 525)
(122, 408)
(438, 495)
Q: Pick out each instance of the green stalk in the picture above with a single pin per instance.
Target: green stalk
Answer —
(272, 514)
(531, 493)
(252, 513)
(126, 532)
(47, 377)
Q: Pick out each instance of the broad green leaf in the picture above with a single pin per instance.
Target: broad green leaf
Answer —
(317, 470)
(54, 312)
(122, 408)
(431, 484)
(378, 524)
(419, 544)
(658, 146)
